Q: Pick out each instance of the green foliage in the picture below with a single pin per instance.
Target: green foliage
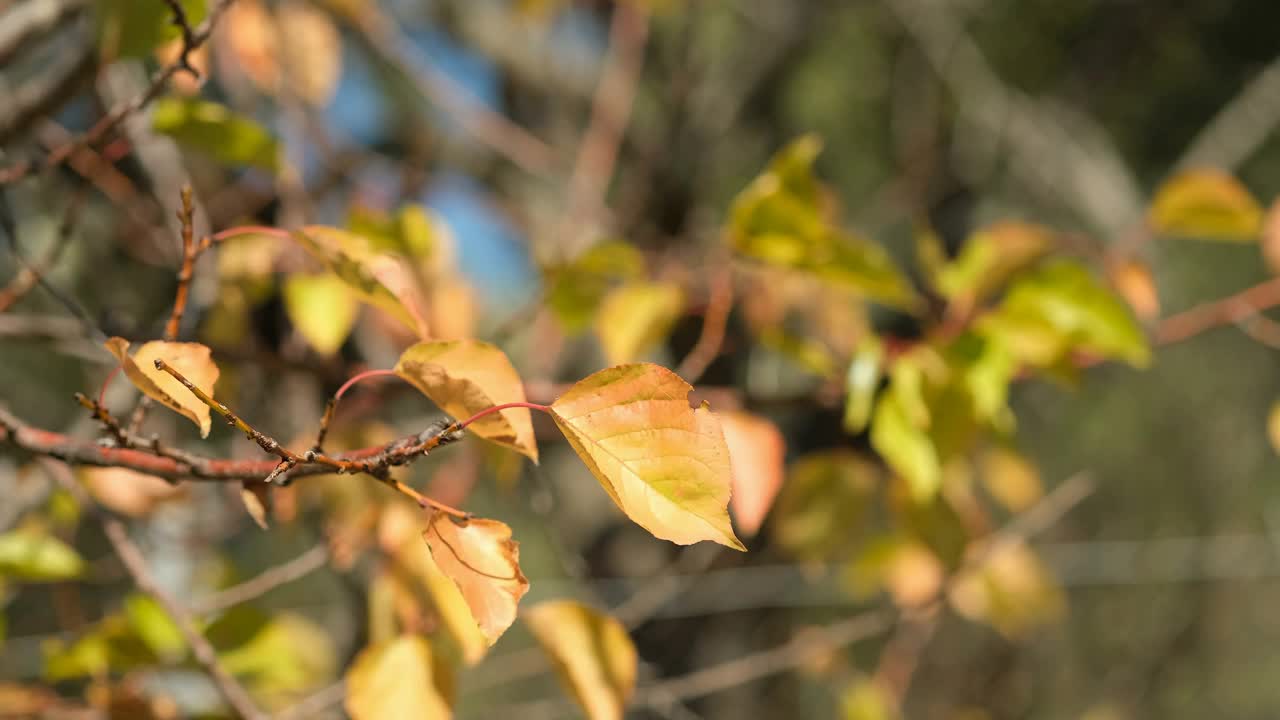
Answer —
(576, 289)
(135, 29)
(217, 131)
(31, 553)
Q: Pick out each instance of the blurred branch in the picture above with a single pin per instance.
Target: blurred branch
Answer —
(29, 276)
(1241, 126)
(231, 690)
(264, 582)
(105, 125)
(32, 20)
(610, 113)
(714, 321)
(1237, 308)
(489, 127)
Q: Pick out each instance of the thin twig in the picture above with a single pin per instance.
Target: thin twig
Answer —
(1228, 310)
(231, 690)
(264, 582)
(29, 276)
(112, 119)
(714, 322)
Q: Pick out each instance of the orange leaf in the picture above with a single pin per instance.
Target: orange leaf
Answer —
(757, 452)
(592, 654)
(191, 359)
(464, 377)
(480, 557)
(128, 492)
(663, 463)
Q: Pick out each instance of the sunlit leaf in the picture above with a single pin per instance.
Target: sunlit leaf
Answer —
(284, 655)
(663, 463)
(480, 557)
(1012, 591)
(635, 317)
(1011, 479)
(591, 652)
(989, 257)
(575, 290)
(149, 620)
(1133, 280)
(395, 679)
(807, 352)
(823, 503)
(321, 308)
(464, 377)
(1205, 203)
(192, 360)
(216, 131)
(757, 452)
(312, 52)
(128, 492)
(380, 279)
(867, 700)
(30, 553)
(905, 445)
(861, 383)
(131, 29)
(256, 497)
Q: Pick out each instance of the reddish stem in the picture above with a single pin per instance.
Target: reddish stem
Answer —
(102, 391)
(357, 378)
(499, 408)
(249, 230)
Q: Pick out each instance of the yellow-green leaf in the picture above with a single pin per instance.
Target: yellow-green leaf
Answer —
(322, 309)
(192, 360)
(592, 654)
(380, 279)
(905, 446)
(861, 383)
(865, 699)
(663, 463)
(464, 377)
(395, 679)
(576, 289)
(989, 257)
(150, 621)
(215, 130)
(480, 557)
(634, 318)
(1206, 203)
(30, 553)
(1012, 591)
(823, 504)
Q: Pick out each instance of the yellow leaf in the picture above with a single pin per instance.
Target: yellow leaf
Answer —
(190, 359)
(395, 680)
(380, 279)
(664, 464)
(128, 492)
(591, 652)
(312, 53)
(1205, 203)
(464, 377)
(757, 453)
(256, 496)
(633, 318)
(322, 309)
(480, 557)
(1011, 479)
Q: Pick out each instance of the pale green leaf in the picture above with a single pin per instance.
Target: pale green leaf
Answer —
(635, 317)
(905, 446)
(216, 131)
(30, 553)
(861, 383)
(321, 308)
(380, 279)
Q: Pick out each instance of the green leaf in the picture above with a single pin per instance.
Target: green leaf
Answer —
(1206, 203)
(217, 131)
(112, 645)
(134, 29)
(861, 383)
(322, 310)
(153, 625)
(283, 655)
(904, 445)
(396, 679)
(575, 290)
(866, 700)
(30, 553)
(636, 317)
(1060, 308)
(989, 257)
(823, 504)
(380, 279)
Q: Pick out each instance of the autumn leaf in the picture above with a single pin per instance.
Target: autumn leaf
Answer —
(464, 377)
(128, 492)
(592, 654)
(256, 497)
(663, 463)
(380, 279)
(1205, 203)
(480, 557)
(322, 310)
(633, 318)
(757, 452)
(191, 359)
(395, 679)
(1133, 280)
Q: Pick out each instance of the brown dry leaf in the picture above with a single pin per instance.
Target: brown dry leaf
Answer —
(128, 492)
(1133, 280)
(248, 33)
(256, 496)
(395, 679)
(464, 377)
(1271, 237)
(592, 654)
(193, 360)
(663, 463)
(312, 55)
(480, 557)
(757, 452)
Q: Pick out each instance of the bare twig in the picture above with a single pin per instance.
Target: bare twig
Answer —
(29, 276)
(189, 251)
(1233, 309)
(231, 690)
(264, 582)
(1241, 126)
(714, 321)
(112, 119)
(610, 112)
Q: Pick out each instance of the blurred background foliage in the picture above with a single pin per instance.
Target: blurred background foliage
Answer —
(949, 235)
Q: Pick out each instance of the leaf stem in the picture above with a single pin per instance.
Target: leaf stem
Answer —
(332, 405)
(505, 406)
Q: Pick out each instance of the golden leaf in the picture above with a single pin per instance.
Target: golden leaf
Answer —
(191, 359)
(1205, 203)
(664, 464)
(480, 557)
(634, 318)
(464, 377)
(395, 679)
(592, 654)
(757, 453)
(322, 309)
